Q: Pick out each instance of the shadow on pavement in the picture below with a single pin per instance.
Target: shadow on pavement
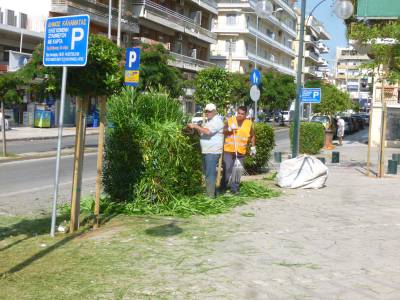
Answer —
(170, 229)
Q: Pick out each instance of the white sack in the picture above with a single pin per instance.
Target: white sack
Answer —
(304, 172)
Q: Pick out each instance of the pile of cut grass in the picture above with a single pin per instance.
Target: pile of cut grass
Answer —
(183, 206)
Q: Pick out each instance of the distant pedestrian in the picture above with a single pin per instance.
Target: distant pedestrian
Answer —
(340, 129)
(211, 142)
(238, 131)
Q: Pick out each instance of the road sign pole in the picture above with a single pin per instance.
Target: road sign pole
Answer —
(255, 111)
(296, 131)
(60, 130)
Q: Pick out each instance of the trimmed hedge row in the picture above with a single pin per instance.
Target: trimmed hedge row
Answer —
(311, 138)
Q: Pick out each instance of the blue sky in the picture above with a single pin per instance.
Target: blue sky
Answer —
(333, 25)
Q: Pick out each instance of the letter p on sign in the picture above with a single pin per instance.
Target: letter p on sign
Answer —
(77, 35)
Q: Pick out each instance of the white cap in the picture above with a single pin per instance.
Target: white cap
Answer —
(210, 107)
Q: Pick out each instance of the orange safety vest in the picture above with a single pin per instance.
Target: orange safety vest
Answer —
(242, 135)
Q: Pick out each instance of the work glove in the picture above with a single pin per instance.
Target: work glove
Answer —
(232, 127)
(253, 151)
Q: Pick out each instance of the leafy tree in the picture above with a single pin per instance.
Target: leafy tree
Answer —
(213, 85)
(240, 88)
(155, 71)
(333, 100)
(387, 55)
(278, 90)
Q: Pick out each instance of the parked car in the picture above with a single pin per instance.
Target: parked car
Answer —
(349, 126)
(359, 121)
(198, 118)
(324, 120)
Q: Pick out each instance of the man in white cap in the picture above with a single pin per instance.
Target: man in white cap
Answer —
(211, 142)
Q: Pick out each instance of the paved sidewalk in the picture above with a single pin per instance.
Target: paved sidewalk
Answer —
(30, 133)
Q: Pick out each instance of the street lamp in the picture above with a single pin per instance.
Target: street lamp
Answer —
(343, 9)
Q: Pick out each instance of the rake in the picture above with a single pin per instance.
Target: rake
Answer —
(238, 169)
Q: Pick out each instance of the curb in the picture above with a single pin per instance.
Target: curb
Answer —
(38, 138)
(38, 155)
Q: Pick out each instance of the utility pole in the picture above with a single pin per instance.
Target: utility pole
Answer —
(296, 131)
(119, 23)
(3, 128)
(109, 18)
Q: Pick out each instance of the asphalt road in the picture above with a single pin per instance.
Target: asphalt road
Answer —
(19, 147)
(26, 187)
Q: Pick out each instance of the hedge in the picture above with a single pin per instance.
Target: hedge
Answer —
(311, 138)
(265, 142)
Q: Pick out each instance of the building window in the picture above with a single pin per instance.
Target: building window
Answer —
(231, 19)
(227, 44)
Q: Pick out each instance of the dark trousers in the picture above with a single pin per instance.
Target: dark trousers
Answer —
(210, 162)
(229, 161)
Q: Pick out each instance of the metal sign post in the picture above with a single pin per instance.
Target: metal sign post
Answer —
(65, 44)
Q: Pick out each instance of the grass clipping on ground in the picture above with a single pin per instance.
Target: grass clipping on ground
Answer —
(182, 206)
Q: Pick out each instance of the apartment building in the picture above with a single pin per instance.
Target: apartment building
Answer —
(98, 10)
(242, 44)
(314, 65)
(184, 28)
(350, 76)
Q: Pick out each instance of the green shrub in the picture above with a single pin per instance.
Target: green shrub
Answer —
(147, 155)
(311, 138)
(265, 142)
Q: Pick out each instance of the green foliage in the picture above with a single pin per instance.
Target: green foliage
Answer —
(148, 157)
(387, 55)
(333, 100)
(155, 71)
(278, 90)
(181, 206)
(240, 88)
(265, 141)
(213, 86)
(311, 138)
(102, 75)
(9, 88)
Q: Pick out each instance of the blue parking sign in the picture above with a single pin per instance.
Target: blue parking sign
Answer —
(132, 65)
(66, 41)
(311, 95)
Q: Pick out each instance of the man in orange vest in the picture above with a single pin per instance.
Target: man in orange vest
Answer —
(238, 131)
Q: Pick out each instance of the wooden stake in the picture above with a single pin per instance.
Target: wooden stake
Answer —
(100, 157)
(369, 142)
(3, 129)
(78, 163)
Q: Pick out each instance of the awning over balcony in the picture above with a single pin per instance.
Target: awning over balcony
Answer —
(382, 9)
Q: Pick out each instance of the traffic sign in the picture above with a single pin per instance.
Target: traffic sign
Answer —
(254, 93)
(66, 41)
(255, 77)
(132, 66)
(311, 95)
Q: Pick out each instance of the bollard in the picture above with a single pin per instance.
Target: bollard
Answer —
(335, 157)
(278, 157)
(392, 167)
(322, 159)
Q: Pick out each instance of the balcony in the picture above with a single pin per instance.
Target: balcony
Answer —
(189, 63)
(172, 20)
(309, 40)
(310, 71)
(97, 11)
(270, 41)
(311, 55)
(322, 48)
(209, 5)
(270, 64)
